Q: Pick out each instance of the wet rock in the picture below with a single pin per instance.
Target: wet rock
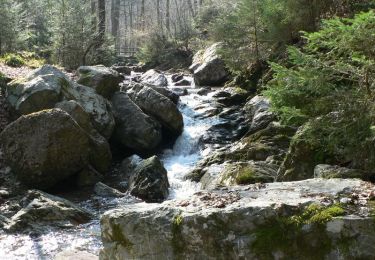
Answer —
(39, 90)
(159, 107)
(149, 181)
(250, 222)
(208, 68)
(125, 70)
(231, 96)
(4, 221)
(104, 80)
(75, 255)
(43, 210)
(100, 153)
(155, 78)
(203, 91)
(88, 177)
(174, 97)
(333, 171)
(134, 129)
(105, 191)
(177, 77)
(45, 148)
(128, 165)
(183, 82)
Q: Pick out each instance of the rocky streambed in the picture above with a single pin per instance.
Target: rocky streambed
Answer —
(125, 165)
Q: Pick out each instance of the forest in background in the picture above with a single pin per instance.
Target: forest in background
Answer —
(313, 59)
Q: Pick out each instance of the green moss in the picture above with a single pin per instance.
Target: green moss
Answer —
(178, 243)
(120, 238)
(245, 176)
(286, 234)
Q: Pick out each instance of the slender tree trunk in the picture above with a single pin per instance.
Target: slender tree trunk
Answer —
(143, 22)
(191, 8)
(167, 17)
(93, 15)
(158, 16)
(101, 24)
(115, 15)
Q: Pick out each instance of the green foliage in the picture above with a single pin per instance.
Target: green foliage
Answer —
(330, 84)
(158, 49)
(13, 60)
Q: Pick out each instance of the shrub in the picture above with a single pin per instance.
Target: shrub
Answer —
(159, 50)
(13, 60)
(330, 84)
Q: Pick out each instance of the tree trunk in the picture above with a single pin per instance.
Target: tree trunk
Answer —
(93, 15)
(158, 16)
(101, 24)
(115, 15)
(167, 17)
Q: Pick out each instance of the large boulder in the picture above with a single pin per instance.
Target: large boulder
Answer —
(98, 108)
(327, 171)
(134, 129)
(297, 220)
(45, 148)
(40, 90)
(100, 152)
(104, 80)
(154, 78)
(46, 86)
(42, 210)
(158, 106)
(149, 181)
(208, 67)
(258, 112)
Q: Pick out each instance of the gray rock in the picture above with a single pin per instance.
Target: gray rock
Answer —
(177, 77)
(42, 210)
(183, 82)
(208, 67)
(75, 255)
(252, 222)
(100, 152)
(134, 129)
(155, 78)
(149, 181)
(4, 221)
(88, 177)
(105, 191)
(98, 108)
(45, 87)
(39, 90)
(104, 80)
(174, 97)
(258, 111)
(333, 171)
(45, 148)
(158, 106)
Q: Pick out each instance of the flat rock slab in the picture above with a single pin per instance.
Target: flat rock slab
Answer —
(75, 255)
(329, 219)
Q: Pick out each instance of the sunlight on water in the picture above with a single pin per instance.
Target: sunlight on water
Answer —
(188, 149)
(179, 161)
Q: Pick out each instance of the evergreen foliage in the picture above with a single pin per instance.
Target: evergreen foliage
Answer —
(330, 84)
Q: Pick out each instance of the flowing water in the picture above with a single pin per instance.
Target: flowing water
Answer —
(179, 160)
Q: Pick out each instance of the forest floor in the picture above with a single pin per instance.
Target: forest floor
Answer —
(13, 73)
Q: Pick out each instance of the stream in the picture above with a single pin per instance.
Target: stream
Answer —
(179, 160)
